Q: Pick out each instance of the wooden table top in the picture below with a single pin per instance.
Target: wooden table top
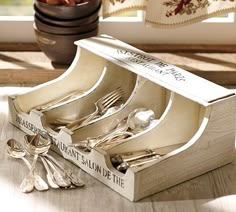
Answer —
(214, 191)
(33, 67)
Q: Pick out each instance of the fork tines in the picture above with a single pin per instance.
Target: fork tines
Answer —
(112, 97)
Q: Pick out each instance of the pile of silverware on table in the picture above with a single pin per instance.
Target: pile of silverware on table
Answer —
(37, 146)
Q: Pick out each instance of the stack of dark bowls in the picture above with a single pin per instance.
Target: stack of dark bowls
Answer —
(57, 27)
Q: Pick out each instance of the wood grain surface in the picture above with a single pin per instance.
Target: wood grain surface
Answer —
(33, 67)
(211, 192)
(221, 48)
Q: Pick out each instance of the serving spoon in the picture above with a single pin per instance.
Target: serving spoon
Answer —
(137, 120)
(16, 150)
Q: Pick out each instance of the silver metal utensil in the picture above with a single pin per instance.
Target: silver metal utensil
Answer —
(49, 175)
(59, 101)
(60, 179)
(131, 156)
(34, 145)
(135, 163)
(138, 120)
(15, 150)
(76, 181)
(101, 105)
(123, 161)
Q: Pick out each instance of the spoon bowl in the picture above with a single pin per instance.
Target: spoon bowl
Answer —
(16, 150)
(36, 144)
(137, 121)
(140, 119)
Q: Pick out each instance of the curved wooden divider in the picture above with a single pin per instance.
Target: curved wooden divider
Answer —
(113, 78)
(145, 94)
(178, 124)
(86, 72)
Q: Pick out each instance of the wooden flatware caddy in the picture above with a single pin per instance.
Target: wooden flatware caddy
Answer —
(195, 116)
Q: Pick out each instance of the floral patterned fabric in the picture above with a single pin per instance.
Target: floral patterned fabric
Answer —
(170, 13)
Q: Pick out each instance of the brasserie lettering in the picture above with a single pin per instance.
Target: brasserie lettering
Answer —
(26, 124)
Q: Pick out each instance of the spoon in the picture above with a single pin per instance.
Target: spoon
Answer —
(137, 120)
(34, 145)
(74, 179)
(61, 123)
(49, 175)
(125, 165)
(59, 178)
(15, 150)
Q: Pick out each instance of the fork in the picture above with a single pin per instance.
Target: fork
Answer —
(102, 105)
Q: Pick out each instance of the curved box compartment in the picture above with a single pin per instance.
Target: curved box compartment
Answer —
(84, 105)
(194, 130)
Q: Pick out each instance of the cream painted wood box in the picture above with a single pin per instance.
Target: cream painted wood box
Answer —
(195, 119)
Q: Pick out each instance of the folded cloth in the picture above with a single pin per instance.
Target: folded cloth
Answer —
(171, 13)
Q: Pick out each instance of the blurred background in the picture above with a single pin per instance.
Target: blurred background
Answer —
(16, 8)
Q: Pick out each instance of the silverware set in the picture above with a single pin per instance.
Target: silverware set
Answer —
(125, 160)
(37, 146)
(137, 121)
(102, 106)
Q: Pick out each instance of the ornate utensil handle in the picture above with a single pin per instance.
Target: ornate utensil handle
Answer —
(131, 156)
(125, 165)
(27, 184)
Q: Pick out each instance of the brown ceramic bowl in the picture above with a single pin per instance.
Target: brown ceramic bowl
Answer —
(60, 49)
(68, 23)
(62, 12)
(60, 30)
